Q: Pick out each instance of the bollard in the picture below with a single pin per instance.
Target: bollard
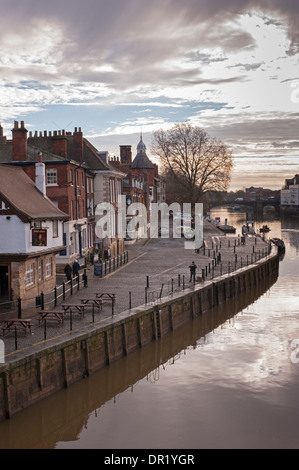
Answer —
(183, 281)
(179, 280)
(71, 320)
(161, 290)
(63, 290)
(19, 308)
(203, 274)
(55, 296)
(45, 329)
(130, 300)
(145, 296)
(16, 338)
(147, 281)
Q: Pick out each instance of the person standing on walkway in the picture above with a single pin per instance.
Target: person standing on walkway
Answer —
(76, 267)
(192, 268)
(68, 272)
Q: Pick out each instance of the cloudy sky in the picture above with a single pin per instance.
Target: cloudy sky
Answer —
(115, 67)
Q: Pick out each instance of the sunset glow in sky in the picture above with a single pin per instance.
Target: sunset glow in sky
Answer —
(115, 67)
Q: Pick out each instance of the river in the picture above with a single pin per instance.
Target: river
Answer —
(228, 380)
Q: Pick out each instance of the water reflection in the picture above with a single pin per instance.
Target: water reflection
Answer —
(62, 418)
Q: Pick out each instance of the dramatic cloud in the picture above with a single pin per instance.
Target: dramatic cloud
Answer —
(113, 67)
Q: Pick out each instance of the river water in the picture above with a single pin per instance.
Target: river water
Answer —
(230, 379)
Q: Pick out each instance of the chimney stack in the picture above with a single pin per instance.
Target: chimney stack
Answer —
(126, 154)
(78, 146)
(19, 142)
(40, 175)
(2, 137)
(60, 146)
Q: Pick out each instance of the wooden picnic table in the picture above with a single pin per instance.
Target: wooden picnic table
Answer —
(18, 323)
(106, 296)
(80, 308)
(56, 315)
(94, 300)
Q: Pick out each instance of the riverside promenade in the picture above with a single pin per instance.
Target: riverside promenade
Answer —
(156, 269)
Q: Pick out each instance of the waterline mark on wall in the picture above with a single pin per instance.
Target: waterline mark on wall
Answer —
(134, 220)
(2, 352)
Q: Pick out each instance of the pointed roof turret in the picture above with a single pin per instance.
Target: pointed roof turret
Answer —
(141, 160)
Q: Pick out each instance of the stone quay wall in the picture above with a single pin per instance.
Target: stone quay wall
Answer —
(48, 369)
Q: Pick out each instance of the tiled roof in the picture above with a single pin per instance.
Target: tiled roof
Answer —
(22, 196)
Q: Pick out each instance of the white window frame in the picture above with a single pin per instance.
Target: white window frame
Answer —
(48, 267)
(52, 179)
(55, 228)
(29, 275)
(40, 266)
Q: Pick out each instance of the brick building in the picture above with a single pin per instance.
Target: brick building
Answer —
(77, 179)
(142, 183)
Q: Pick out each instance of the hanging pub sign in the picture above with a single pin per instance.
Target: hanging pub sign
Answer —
(39, 237)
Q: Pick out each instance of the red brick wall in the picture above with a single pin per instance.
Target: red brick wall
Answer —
(65, 192)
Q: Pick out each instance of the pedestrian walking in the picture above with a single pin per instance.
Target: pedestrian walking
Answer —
(76, 267)
(192, 268)
(68, 272)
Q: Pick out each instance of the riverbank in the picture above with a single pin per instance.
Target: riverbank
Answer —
(44, 366)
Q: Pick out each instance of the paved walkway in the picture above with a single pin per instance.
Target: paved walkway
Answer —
(156, 267)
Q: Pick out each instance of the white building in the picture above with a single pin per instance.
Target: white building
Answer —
(289, 195)
(31, 234)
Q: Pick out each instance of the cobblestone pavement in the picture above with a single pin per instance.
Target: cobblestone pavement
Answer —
(156, 267)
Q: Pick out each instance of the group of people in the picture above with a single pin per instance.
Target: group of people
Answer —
(72, 271)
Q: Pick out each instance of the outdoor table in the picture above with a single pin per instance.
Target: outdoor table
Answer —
(16, 323)
(80, 308)
(94, 300)
(56, 315)
(106, 296)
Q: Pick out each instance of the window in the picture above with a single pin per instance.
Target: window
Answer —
(55, 228)
(40, 269)
(84, 239)
(52, 176)
(82, 179)
(29, 275)
(48, 267)
(71, 177)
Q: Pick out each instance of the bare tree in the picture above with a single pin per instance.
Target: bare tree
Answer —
(196, 162)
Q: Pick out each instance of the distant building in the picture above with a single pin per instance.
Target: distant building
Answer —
(289, 194)
(31, 234)
(142, 182)
(259, 194)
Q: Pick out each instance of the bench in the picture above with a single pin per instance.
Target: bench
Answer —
(16, 323)
(56, 315)
(95, 301)
(106, 296)
(80, 308)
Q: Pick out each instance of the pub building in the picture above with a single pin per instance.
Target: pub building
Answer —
(31, 235)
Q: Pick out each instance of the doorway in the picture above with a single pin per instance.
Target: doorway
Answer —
(4, 282)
